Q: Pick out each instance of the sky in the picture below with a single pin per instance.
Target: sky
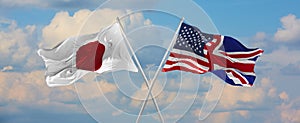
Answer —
(28, 25)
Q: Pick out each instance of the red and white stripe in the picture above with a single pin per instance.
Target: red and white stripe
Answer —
(186, 61)
(243, 55)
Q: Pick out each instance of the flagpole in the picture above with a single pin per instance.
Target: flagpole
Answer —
(158, 70)
(140, 67)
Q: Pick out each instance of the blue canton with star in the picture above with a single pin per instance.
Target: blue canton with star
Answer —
(191, 39)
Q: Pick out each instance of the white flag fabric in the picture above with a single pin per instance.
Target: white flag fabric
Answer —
(76, 56)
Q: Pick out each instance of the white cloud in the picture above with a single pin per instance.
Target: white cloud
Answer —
(269, 89)
(284, 96)
(260, 36)
(290, 112)
(89, 89)
(221, 117)
(226, 117)
(244, 113)
(290, 116)
(232, 96)
(24, 87)
(241, 104)
(7, 68)
(5, 21)
(189, 83)
(136, 20)
(260, 39)
(234, 99)
(290, 30)
(63, 26)
(237, 97)
(84, 21)
(14, 41)
(30, 90)
(141, 94)
(280, 57)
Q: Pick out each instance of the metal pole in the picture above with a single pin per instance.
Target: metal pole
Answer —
(158, 70)
(140, 67)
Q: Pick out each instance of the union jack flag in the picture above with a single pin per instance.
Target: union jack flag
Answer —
(198, 52)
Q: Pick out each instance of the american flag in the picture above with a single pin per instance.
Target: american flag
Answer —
(198, 52)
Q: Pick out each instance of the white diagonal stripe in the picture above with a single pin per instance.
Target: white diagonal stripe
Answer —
(224, 68)
(241, 53)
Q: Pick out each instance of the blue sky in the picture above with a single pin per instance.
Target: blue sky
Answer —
(272, 25)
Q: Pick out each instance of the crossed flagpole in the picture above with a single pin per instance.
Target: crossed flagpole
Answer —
(150, 85)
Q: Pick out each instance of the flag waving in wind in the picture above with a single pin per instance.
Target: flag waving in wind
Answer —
(73, 58)
(198, 52)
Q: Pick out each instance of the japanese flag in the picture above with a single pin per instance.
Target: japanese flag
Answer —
(76, 56)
